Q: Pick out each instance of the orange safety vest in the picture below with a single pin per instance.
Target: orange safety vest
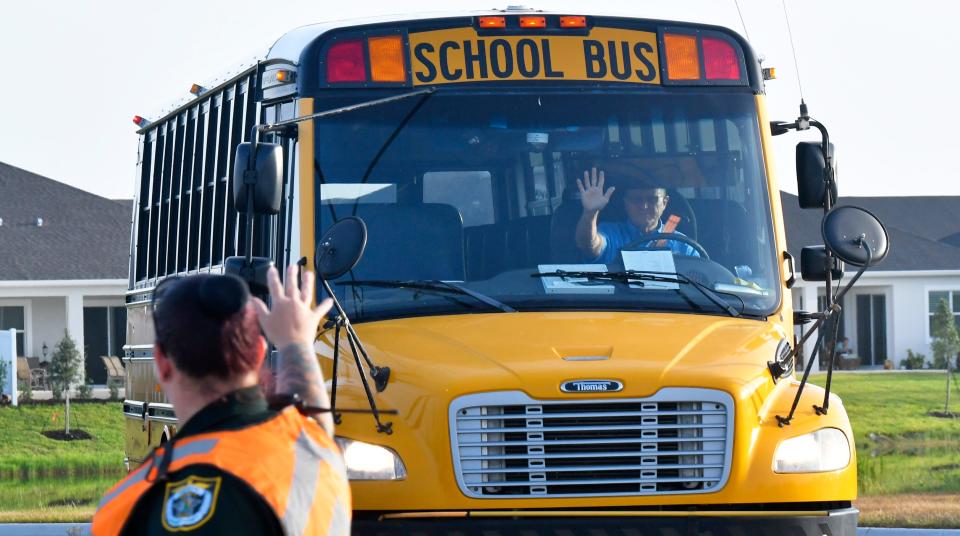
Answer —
(289, 460)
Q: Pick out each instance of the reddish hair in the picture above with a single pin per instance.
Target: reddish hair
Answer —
(208, 327)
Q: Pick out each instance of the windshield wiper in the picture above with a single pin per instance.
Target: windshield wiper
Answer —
(434, 286)
(639, 276)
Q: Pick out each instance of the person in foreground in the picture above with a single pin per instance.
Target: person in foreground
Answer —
(235, 466)
(644, 205)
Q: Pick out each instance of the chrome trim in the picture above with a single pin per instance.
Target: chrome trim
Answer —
(586, 358)
(483, 470)
(583, 386)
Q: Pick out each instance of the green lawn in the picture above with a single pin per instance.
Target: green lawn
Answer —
(895, 404)
(900, 448)
(42, 479)
(903, 452)
(25, 452)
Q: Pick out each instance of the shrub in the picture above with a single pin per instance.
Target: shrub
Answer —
(3, 375)
(64, 366)
(946, 340)
(914, 361)
(86, 389)
(26, 392)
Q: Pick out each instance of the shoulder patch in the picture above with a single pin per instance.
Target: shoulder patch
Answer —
(189, 503)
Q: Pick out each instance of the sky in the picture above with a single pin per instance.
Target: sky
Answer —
(880, 75)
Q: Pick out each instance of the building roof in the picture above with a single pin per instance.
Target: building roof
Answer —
(924, 231)
(82, 235)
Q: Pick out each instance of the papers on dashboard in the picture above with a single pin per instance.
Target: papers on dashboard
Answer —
(574, 285)
(651, 261)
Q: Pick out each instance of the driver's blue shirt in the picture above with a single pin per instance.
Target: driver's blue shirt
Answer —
(616, 235)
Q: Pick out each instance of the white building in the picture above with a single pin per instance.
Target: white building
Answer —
(888, 311)
(63, 266)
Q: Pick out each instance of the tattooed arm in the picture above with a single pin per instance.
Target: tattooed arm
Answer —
(292, 327)
(298, 372)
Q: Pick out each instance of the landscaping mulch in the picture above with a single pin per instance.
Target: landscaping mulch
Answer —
(61, 435)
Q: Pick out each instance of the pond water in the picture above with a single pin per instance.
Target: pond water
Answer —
(909, 464)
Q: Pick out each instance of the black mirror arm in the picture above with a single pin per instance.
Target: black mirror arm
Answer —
(250, 182)
(821, 318)
(380, 375)
(861, 240)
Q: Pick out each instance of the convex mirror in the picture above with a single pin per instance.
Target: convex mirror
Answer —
(266, 177)
(848, 231)
(340, 248)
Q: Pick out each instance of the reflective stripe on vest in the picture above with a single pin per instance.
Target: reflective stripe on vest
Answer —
(288, 460)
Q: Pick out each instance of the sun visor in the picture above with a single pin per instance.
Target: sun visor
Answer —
(671, 171)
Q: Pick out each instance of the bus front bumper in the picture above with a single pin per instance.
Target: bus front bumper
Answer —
(842, 522)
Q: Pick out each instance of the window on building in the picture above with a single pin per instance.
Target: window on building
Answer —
(12, 317)
(952, 297)
(104, 334)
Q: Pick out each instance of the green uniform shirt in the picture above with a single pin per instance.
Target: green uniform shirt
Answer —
(235, 508)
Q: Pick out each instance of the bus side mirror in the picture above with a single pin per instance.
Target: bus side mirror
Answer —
(254, 273)
(811, 170)
(266, 178)
(855, 236)
(813, 264)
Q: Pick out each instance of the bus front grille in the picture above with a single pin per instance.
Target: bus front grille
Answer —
(508, 445)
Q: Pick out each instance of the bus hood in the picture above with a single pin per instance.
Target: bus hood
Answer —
(536, 352)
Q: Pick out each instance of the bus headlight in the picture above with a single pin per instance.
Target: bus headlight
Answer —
(370, 462)
(826, 449)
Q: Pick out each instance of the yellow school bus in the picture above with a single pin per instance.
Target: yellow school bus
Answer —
(533, 385)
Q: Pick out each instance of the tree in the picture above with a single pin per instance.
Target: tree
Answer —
(945, 343)
(64, 371)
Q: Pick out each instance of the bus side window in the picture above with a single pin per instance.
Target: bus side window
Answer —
(470, 191)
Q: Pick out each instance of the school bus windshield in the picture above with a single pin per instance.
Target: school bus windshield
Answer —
(481, 189)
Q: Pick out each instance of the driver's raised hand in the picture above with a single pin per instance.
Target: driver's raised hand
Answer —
(592, 196)
(291, 320)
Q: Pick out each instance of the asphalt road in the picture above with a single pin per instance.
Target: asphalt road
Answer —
(83, 529)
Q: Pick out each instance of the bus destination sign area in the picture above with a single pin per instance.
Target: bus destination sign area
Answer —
(605, 55)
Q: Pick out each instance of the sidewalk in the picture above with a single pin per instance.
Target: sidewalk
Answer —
(99, 392)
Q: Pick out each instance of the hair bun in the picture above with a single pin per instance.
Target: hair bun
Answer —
(222, 297)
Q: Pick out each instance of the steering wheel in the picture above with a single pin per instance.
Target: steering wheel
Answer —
(652, 237)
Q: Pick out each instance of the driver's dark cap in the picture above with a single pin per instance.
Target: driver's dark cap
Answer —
(200, 318)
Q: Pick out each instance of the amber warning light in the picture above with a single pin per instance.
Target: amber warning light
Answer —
(533, 22)
(493, 22)
(573, 22)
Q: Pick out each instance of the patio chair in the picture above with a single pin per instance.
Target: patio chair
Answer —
(24, 375)
(116, 373)
(38, 374)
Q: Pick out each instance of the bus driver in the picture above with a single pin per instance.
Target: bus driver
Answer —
(601, 242)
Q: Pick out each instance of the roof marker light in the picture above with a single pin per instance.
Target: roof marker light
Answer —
(493, 22)
(197, 89)
(533, 22)
(769, 73)
(346, 62)
(285, 76)
(141, 121)
(573, 22)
